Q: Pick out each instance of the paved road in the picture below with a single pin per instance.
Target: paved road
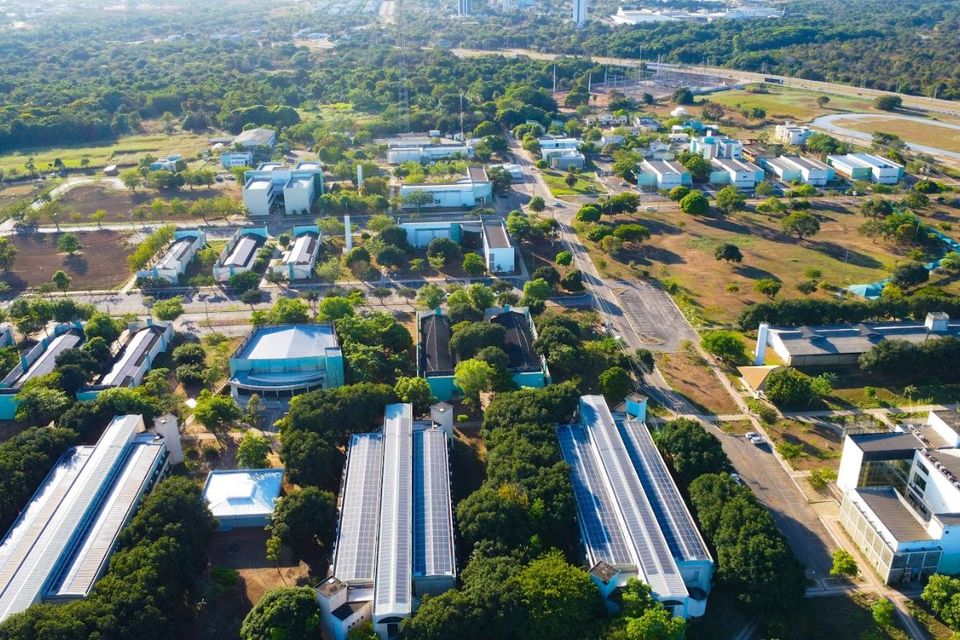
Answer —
(833, 123)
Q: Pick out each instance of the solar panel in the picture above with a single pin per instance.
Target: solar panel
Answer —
(432, 513)
(641, 527)
(675, 520)
(601, 531)
(392, 589)
(356, 550)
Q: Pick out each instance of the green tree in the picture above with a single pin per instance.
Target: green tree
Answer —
(537, 204)
(730, 199)
(615, 384)
(430, 296)
(678, 193)
(252, 450)
(559, 601)
(131, 179)
(788, 387)
(691, 450)
(656, 623)
(728, 253)
(695, 204)
(305, 521)
(565, 258)
(632, 232)
(169, 309)
(61, 280)
(101, 325)
(768, 287)
(802, 223)
(888, 102)
(473, 376)
(418, 199)
(216, 412)
(726, 345)
(417, 392)
(39, 405)
(8, 253)
(518, 225)
(283, 614)
(844, 565)
(473, 264)
(909, 274)
(68, 243)
(883, 612)
(942, 595)
(334, 308)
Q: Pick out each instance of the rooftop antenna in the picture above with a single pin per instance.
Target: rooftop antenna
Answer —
(554, 79)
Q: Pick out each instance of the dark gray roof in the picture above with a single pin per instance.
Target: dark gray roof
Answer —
(131, 357)
(435, 354)
(949, 463)
(853, 338)
(347, 609)
(888, 445)
(242, 253)
(518, 342)
(888, 508)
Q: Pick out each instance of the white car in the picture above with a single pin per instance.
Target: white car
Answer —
(736, 478)
(750, 435)
(757, 440)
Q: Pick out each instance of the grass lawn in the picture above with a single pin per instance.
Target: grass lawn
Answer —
(586, 184)
(784, 102)
(806, 446)
(931, 625)
(852, 389)
(689, 375)
(680, 255)
(125, 151)
(931, 134)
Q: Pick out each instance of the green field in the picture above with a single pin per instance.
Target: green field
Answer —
(586, 184)
(124, 151)
(783, 102)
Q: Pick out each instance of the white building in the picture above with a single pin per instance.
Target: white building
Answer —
(240, 498)
(607, 119)
(299, 259)
(865, 166)
(175, 258)
(62, 540)
(807, 170)
(474, 189)
(557, 142)
(515, 170)
(564, 159)
(633, 521)
(166, 164)
(240, 253)
(394, 540)
(399, 152)
(464, 8)
(231, 159)
(141, 343)
(792, 134)
(255, 138)
(497, 249)
(490, 233)
(901, 497)
(713, 146)
(646, 124)
(741, 174)
(663, 174)
(579, 11)
(609, 137)
(272, 186)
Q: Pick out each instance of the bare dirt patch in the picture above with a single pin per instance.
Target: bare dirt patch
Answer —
(690, 376)
(100, 264)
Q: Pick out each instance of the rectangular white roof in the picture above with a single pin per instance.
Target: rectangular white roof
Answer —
(243, 492)
(303, 249)
(132, 356)
(393, 586)
(175, 253)
(288, 341)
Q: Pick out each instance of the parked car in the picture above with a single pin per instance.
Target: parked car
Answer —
(736, 478)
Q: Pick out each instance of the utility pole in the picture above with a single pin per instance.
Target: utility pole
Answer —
(462, 137)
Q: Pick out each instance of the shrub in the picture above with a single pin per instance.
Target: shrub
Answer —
(564, 258)
(788, 387)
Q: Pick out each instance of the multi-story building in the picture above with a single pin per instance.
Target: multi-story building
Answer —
(564, 159)
(400, 151)
(633, 521)
(473, 190)
(579, 12)
(664, 174)
(792, 134)
(273, 186)
(741, 174)
(231, 159)
(901, 497)
(712, 146)
(395, 540)
(865, 166)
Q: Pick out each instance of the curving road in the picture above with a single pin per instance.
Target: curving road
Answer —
(833, 124)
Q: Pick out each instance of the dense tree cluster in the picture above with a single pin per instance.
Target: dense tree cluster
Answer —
(25, 460)
(813, 312)
(575, 352)
(690, 450)
(934, 360)
(149, 587)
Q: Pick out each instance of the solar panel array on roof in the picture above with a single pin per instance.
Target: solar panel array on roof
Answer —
(303, 249)
(639, 526)
(602, 532)
(518, 342)
(393, 586)
(432, 513)
(176, 251)
(243, 251)
(435, 353)
(672, 514)
(356, 551)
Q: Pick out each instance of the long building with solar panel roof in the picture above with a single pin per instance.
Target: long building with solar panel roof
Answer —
(633, 522)
(395, 535)
(240, 253)
(62, 541)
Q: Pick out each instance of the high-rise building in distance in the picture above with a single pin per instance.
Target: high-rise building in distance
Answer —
(579, 11)
(464, 7)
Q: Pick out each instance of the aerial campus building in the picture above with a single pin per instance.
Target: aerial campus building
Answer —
(395, 536)
(633, 522)
(62, 541)
(436, 361)
(272, 187)
(712, 146)
(299, 259)
(172, 263)
(868, 167)
(792, 134)
(241, 498)
(739, 173)
(799, 168)
(277, 362)
(473, 190)
(901, 497)
(664, 174)
(240, 253)
(488, 235)
(400, 150)
(842, 344)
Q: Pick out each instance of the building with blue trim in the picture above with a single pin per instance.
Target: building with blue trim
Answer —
(39, 361)
(240, 252)
(299, 259)
(277, 362)
(242, 497)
